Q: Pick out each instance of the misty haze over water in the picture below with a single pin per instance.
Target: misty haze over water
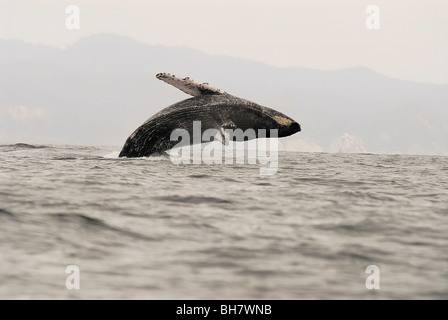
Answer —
(100, 89)
(146, 228)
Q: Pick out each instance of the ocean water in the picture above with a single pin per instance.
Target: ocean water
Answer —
(148, 229)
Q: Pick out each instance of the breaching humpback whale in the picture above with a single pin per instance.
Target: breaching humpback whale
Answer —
(213, 107)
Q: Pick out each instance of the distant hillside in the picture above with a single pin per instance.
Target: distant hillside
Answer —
(100, 89)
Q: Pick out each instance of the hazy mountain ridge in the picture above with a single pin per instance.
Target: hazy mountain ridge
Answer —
(100, 89)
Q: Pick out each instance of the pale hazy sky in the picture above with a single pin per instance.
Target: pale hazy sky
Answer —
(412, 42)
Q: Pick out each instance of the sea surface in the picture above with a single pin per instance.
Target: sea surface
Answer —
(148, 229)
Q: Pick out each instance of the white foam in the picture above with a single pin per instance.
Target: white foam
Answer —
(112, 155)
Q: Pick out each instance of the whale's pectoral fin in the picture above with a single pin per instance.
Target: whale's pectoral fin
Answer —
(189, 86)
(222, 136)
(223, 133)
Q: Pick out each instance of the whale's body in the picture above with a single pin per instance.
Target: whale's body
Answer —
(214, 108)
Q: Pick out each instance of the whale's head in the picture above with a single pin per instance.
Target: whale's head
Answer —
(285, 125)
(259, 117)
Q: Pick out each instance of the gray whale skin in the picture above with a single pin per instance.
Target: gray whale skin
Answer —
(213, 107)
